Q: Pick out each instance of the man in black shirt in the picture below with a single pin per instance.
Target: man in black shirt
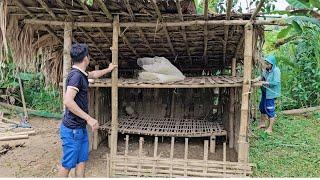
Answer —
(73, 130)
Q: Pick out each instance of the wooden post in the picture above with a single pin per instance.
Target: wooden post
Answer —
(22, 98)
(231, 110)
(96, 115)
(244, 117)
(155, 154)
(186, 143)
(205, 156)
(212, 144)
(171, 157)
(66, 54)
(114, 88)
(126, 151)
(224, 158)
(141, 140)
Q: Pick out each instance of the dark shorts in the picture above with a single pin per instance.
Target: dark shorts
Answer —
(75, 146)
(267, 106)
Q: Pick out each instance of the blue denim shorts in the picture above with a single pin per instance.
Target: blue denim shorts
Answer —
(267, 106)
(75, 146)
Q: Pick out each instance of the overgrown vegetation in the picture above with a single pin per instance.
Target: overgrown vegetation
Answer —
(291, 151)
(38, 96)
(299, 61)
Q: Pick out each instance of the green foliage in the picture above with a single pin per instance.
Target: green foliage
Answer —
(299, 61)
(291, 151)
(219, 6)
(38, 96)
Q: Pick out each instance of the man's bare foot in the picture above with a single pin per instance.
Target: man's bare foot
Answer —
(261, 126)
(268, 131)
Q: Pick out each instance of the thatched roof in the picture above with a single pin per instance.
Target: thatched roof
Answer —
(190, 48)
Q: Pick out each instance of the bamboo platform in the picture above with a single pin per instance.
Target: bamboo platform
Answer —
(189, 82)
(172, 127)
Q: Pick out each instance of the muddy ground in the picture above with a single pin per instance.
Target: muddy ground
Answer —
(40, 154)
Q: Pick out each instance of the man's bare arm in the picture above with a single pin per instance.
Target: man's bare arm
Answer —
(75, 109)
(98, 73)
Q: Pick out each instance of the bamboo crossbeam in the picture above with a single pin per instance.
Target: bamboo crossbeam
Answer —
(104, 8)
(46, 7)
(143, 37)
(256, 11)
(47, 28)
(156, 8)
(280, 22)
(183, 30)
(226, 31)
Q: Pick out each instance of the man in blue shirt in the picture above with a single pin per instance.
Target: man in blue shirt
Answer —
(271, 89)
(73, 130)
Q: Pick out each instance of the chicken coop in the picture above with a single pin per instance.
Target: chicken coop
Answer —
(216, 53)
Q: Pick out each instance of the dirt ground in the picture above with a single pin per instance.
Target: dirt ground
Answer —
(41, 153)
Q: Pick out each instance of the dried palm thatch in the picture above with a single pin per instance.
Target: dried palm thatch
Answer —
(3, 23)
(20, 39)
(190, 48)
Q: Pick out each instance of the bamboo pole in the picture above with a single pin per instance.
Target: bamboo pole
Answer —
(183, 30)
(231, 110)
(96, 115)
(155, 154)
(14, 137)
(171, 156)
(22, 97)
(205, 33)
(226, 30)
(141, 140)
(114, 88)
(126, 150)
(244, 117)
(280, 22)
(224, 157)
(212, 144)
(205, 156)
(66, 54)
(186, 144)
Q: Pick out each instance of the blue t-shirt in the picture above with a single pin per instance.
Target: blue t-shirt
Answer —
(78, 81)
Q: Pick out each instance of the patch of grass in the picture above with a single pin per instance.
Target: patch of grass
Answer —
(293, 150)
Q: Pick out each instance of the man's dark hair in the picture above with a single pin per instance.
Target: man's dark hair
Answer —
(78, 52)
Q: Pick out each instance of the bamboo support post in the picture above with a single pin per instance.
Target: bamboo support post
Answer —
(156, 8)
(114, 88)
(22, 97)
(155, 154)
(224, 157)
(183, 30)
(244, 117)
(231, 105)
(171, 156)
(186, 144)
(66, 54)
(126, 150)
(205, 33)
(96, 115)
(212, 144)
(141, 140)
(205, 156)
(226, 30)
